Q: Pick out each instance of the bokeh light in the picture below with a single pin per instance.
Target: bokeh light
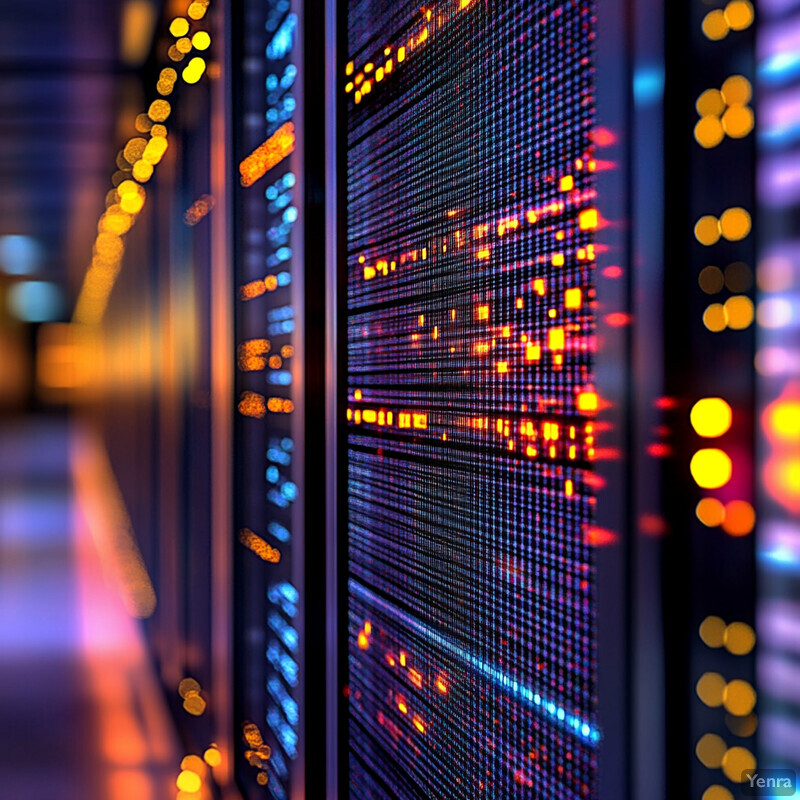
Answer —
(710, 511)
(711, 417)
(711, 468)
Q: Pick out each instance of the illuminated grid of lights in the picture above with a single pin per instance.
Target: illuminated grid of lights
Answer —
(471, 433)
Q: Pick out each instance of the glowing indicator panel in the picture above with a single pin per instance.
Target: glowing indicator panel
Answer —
(471, 220)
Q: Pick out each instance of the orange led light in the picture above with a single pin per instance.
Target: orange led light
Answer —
(252, 404)
(710, 512)
(268, 154)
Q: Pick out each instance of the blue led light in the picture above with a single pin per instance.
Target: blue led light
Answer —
(277, 499)
(279, 456)
(279, 531)
(779, 68)
(288, 635)
(280, 378)
(277, 328)
(283, 40)
(648, 84)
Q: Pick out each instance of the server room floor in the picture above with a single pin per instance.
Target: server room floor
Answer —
(81, 715)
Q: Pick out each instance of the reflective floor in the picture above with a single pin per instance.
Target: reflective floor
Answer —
(81, 715)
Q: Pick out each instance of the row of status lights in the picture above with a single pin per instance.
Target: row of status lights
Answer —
(724, 112)
(737, 697)
(738, 311)
(136, 163)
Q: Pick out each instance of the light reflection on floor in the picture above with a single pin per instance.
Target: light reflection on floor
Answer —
(81, 715)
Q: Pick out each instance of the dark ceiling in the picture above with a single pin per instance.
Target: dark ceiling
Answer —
(60, 83)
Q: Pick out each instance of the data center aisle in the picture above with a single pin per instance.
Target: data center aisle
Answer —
(81, 716)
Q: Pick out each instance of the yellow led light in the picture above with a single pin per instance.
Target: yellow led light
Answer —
(115, 221)
(737, 762)
(194, 70)
(710, 750)
(737, 90)
(212, 757)
(201, 40)
(735, 224)
(188, 686)
(197, 10)
(159, 130)
(142, 171)
(710, 512)
(143, 123)
(711, 468)
(194, 764)
(708, 132)
(739, 14)
(710, 102)
(194, 704)
(740, 311)
(133, 150)
(174, 54)
(159, 110)
(184, 45)
(179, 27)
(155, 150)
(132, 203)
(712, 631)
(189, 781)
(715, 318)
(707, 230)
(710, 689)
(738, 121)
(739, 638)
(715, 26)
(711, 417)
(127, 187)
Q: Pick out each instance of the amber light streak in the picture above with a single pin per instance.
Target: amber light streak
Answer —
(268, 154)
(199, 209)
(252, 541)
